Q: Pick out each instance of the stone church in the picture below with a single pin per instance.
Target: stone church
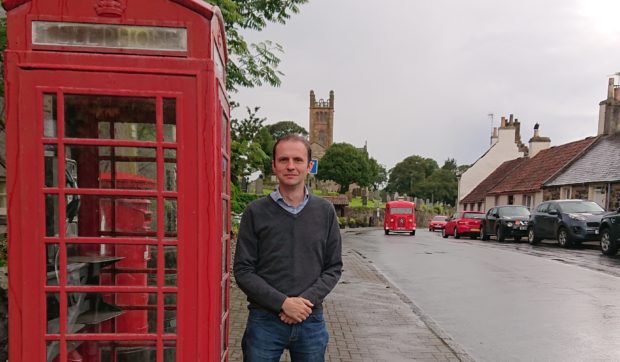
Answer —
(321, 124)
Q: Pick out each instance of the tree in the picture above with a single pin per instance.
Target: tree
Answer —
(252, 64)
(407, 175)
(440, 186)
(345, 164)
(247, 154)
(378, 174)
(283, 128)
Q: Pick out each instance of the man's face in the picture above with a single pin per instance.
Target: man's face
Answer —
(291, 164)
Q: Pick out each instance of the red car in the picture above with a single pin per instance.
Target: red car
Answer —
(464, 223)
(437, 223)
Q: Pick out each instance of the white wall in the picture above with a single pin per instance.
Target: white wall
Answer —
(504, 150)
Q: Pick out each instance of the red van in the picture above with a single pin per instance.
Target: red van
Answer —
(399, 217)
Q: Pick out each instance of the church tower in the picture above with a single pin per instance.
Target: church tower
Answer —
(321, 124)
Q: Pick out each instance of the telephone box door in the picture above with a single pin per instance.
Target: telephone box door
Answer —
(113, 231)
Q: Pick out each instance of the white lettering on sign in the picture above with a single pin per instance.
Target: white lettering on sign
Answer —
(109, 36)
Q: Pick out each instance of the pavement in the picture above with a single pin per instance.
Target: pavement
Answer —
(368, 319)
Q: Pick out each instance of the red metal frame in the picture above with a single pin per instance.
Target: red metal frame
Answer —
(202, 192)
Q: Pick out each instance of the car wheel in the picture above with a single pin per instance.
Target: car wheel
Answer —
(531, 237)
(387, 232)
(412, 233)
(517, 239)
(483, 235)
(444, 234)
(500, 235)
(564, 238)
(456, 233)
(608, 247)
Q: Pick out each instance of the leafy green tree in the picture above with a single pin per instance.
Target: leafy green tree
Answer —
(253, 64)
(407, 175)
(378, 174)
(345, 164)
(440, 186)
(283, 128)
(247, 154)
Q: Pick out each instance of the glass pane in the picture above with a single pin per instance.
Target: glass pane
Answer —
(53, 312)
(170, 170)
(128, 351)
(170, 313)
(112, 264)
(112, 312)
(50, 155)
(170, 265)
(170, 120)
(224, 133)
(224, 217)
(52, 261)
(105, 167)
(224, 175)
(51, 215)
(110, 117)
(170, 216)
(49, 115)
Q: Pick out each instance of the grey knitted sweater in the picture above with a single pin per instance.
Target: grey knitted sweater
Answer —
(281, 255)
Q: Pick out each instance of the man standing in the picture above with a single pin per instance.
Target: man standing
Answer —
(288, 258)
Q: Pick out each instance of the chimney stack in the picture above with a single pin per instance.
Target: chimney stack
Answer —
(538, 143)
(609, 111)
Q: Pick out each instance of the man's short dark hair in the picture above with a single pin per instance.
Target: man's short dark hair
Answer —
(292, 137)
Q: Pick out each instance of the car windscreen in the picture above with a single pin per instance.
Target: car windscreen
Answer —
(401, 210)
(514, 211)
(580, 206)
(471, 215)
(439, 218)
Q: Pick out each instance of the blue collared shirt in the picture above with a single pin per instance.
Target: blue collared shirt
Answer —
(277, 197)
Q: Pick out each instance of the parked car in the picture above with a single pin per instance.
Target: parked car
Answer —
(569, 221)
(437, 223)
(610, 233)
(505, 221)
(464, 223)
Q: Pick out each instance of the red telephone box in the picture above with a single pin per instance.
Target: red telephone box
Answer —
(118, 159)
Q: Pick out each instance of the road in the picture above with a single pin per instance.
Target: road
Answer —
(505, 302)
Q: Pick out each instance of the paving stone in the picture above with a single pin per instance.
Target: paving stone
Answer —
(366, 318)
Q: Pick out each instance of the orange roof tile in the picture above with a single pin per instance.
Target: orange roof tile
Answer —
(531, 174)
(479, 192)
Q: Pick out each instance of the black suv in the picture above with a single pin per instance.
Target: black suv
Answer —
(610, 233)
(568, 221)
(505, 221)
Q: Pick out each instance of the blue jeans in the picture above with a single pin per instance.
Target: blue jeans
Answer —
(266, 337)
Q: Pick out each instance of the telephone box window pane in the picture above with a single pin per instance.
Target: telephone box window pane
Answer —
(170, 351)
(52, 263)
(224, 175)
(170, 265)
(110, 117)
(50, 157)
(170, 217)
(170, 120)
(51, 215)
(224, 133)
(112, 264)
(170, 170)
(124, 351)
(224, 217)
(49, 115)
(112, 312)
(170, 313)
(53, 312)
(116, 216)
(104, 167)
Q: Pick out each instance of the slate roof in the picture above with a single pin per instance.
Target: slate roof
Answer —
(600, 163)
(479, 192)
(532, 173)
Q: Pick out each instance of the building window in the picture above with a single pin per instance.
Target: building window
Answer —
(511, 200)
(480, 206)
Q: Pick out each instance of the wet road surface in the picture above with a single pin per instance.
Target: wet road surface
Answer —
(506, 302)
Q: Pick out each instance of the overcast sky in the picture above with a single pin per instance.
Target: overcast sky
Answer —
(420, 77)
